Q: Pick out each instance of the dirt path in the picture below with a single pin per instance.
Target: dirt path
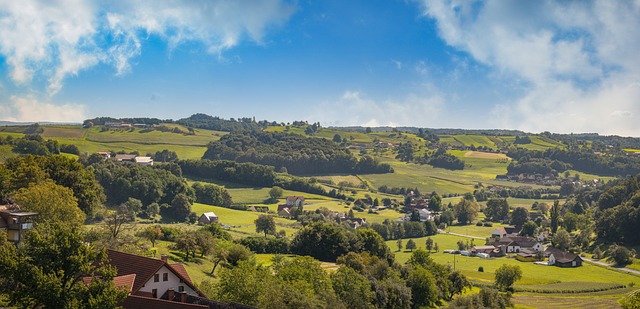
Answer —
(461, 235)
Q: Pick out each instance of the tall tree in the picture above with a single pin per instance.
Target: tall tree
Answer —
(507, 275)
(466, 210)
(555, 216)
(52, 202)
(519, 216)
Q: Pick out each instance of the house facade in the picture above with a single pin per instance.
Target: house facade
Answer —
(295, 201)
(207, 218)
(15, 222)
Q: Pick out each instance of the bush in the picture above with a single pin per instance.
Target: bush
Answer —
(479, 223)
(481, 269)
(488, 224)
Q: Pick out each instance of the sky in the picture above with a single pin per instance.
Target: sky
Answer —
(558, 66)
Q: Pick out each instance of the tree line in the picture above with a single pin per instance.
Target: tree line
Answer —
(292, 153)
(582, 159)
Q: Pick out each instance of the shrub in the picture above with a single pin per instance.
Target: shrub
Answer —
(479, 223)
(481, 269)
(488, 224)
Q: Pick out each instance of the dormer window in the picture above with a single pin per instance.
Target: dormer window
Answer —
(156, 278)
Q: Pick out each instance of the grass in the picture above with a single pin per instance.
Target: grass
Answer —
(533, 275)
(476, 140)
(243, 221)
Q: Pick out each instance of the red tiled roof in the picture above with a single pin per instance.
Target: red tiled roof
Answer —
(179, 268)
(125, 281)
(141, 302)
(143, 267)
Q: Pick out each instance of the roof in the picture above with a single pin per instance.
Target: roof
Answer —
(141, 302)
(143, 159)
(283, 206)
(562, 256)
(294, 198)
(500, 231)
(125, 281)
(209, 215)
(144, 268)
(179, 268)
(128, 157)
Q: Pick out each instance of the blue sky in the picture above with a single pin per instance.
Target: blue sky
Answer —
(569, 66)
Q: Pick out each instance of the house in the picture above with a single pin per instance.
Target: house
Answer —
(488, 250)
(154, 283)
(561, 258)
(515, 244)
(15, 222)
(284, 212)
(208, 218)
(125, 157)
(104, 154)
(425, 215)
(295, 201)
(505, 231)
(528, 255)
(143, 161)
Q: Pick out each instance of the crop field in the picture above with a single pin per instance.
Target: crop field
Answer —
(528, 300)
(336, 179)
(537, 142)
(475, 140)
(353, 137)
(140, 136)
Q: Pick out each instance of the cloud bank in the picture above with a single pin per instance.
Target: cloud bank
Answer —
(577, 60)
(52, 40)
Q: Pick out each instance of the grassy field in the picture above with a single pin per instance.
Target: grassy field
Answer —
(354, 137)
(475, 140)
(243, 221)
(532, 274)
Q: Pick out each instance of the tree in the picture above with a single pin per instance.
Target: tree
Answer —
(151, 233)
(497, 209)
(529, 229)
(275, 193)
(399, 242)
(555, 216)
(561, 240)
(352, 288)
(411, 245)
(187, 243)
(423, 287)
(367, 130)
(507, 275)
(435, 247)
(435, 202)
(245, 284)
(266, 224)
(466, 210)
(429, 244)
(205, 242)
(519, 216)
(117, 221)
(180, 208)
(47, 271)
(337, 138)
(52, 202)
(152, 211)
(620, 255)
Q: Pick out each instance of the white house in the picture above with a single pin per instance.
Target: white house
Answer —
(144, 161)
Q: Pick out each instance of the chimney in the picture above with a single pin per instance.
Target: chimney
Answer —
(170, 294)
(183, 297)
(163, 258)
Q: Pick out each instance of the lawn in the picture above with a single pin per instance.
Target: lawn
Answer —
(532, 274)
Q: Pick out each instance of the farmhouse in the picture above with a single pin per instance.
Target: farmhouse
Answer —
(154, 283)
(284, 212)
(121, 157)
(208, 218)
(143, 161)
(295, 201)
(15, 222)
(514, 244)
(505, 231)
(561, 258)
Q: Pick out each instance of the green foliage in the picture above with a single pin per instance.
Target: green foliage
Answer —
(487, 298)
(298, 154)
(466, 211)
(561, 239)
(631, 301)
(497, 209)
(265, 224)
(217, 231)
(275, 193)
(203, 121)
(52, 202)
(435, 203)
(324, 241)
(151, 233)
(507, 275)
(47, 271)
(352, 288)
(411, 245)
(529, 229)
(519, 216)
(423, 287)
(165, 156)
(212, 194)
(620, 255)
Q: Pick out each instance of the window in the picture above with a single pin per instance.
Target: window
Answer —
(154, 293)
(165, 277)
(181, 281)
(156, 278)
(181, 288)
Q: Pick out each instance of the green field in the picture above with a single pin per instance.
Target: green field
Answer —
(475, 140)
(243, 221)
(532, 274)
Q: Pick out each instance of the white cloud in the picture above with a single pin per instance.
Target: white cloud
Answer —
(356, 109)
(30, 109)
(578, 59)
(60, 38)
